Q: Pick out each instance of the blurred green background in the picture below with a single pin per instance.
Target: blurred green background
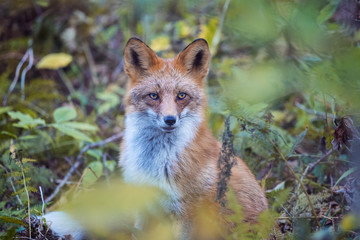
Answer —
(286, 72)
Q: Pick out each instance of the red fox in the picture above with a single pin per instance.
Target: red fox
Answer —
(167, 143)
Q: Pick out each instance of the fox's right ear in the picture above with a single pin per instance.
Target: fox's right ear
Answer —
(195, 58)
(139, 58)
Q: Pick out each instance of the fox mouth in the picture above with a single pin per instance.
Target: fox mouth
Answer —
(168, 129)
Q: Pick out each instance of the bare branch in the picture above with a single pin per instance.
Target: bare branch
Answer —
(312, 165)
(310, 111)
(23, 74)
(79, 161)
(16, 78)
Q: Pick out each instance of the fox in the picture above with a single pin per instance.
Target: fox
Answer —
(167, 142)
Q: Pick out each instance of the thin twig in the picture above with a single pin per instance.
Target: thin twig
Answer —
(66, 81)
(43, 202)
(82, 177)
(16, 78)
(91, 62)
(70, 162)
(310, 111)
(79, 161)
(299, 181)
(286, 218)
(28, 197)
(80, 180)
(311, 166)
(23, 74)
(93, 172)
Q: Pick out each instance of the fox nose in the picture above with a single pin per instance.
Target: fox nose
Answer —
(170, 120)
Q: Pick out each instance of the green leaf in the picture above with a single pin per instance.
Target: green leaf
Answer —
(111, 101)
(29, 137)
(9, 219)
(90, 177)
(9, 134)
(32, 189)
(345, 174)
(4, 109)
(81, 126)
(63, 114)
(111, 165)
(10, 234)
(18, 192)
(326, 13)
(26, 121)
(20, 116)
(95, 153)
(54, 61)
(299, 138)
(42, 3)
(71, 132)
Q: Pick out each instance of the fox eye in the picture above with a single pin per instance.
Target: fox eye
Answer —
(181, 96)
(154, 96)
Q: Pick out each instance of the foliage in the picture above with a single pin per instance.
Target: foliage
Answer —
(285, 71)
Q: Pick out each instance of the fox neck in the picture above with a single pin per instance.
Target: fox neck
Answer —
(150, 155)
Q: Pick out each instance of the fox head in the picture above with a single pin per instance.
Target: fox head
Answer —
(168, 94)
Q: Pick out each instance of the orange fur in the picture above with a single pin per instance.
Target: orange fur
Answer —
(195, 174)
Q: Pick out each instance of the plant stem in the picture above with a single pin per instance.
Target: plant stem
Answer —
(28, 199)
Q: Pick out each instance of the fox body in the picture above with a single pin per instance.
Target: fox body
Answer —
(167, 142)
(166, 139)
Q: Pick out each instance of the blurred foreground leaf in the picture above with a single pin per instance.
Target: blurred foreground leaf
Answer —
(114, 206)
(349, 223)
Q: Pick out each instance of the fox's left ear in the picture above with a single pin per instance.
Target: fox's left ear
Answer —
(195, 58)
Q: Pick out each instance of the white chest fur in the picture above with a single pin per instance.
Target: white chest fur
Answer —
(150, 155)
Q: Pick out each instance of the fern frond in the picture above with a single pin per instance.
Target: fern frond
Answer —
(15, 174)
(31, 189)
(21, 181)
(25, 160)
(18, 192)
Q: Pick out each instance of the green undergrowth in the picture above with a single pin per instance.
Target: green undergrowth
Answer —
(285, 73)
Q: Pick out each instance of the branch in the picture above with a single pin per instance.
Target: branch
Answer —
(312, 165)
(26, 69)
(310, 111)
(79, 161)
(16, 78)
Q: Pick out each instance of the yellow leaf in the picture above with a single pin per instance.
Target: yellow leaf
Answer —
(208, 31)
(54, 61)
(349, 223)
(160, 43)
(183, 29)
